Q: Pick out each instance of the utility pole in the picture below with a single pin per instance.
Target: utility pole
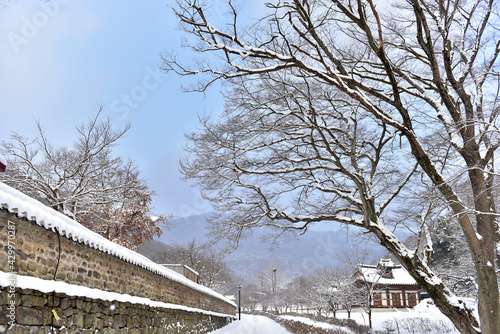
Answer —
(239, 302)
(274, 291)
(274, 281)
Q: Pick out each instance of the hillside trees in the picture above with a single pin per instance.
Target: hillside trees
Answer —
(213, 271)
(331, 290)
(271, 283)
(451, 258)
(348, 111)
(87, 182)
(322, 291)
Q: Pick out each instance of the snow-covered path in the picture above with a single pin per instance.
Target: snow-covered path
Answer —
(252, 324)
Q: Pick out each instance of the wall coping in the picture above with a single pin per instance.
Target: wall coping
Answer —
(46, 286)
(26, 207)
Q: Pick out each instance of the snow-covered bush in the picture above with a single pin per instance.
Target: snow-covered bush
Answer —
(419, 325)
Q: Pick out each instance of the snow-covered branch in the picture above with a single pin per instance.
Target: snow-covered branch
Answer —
(86, 182)
(335, 109)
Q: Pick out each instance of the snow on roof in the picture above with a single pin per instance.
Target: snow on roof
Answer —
(386, 263)
(179, 265)
(25, 206)
(400, 276)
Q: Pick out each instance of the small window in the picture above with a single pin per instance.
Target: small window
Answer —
(377, 299)
(396, 299)
(412, 299)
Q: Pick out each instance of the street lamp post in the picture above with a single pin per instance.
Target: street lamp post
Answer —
(273, 283)
(239, 302)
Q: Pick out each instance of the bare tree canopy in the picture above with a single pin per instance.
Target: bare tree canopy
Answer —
(86, 182)
(372, 115)
(213, 271)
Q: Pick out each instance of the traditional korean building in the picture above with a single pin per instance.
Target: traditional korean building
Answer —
(391, 284)
(3, 164)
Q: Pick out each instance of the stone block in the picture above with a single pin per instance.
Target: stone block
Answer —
(27, 300)
(41, 271)
(68, 312)
(65, 303)
(29, 316)
(136, 321)
(25, 291)
(32, 266)
(78, 319)
(23, 330)
(3, 315)
(121, 321)
(52, 262)
(79, 303)
(88, 321)
(47, 316)
(98, 323)
(87, 306)
(23, 267)
(36, 330)
(39, 301)
(21, 254)
(57, 301)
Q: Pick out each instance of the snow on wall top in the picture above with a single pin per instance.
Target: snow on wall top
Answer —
(27, 207)
(27, 282)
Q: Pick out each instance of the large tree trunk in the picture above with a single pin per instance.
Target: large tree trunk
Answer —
(488, 303)
(481, 243)
(454, 309)
(438, 65)
(484, 253)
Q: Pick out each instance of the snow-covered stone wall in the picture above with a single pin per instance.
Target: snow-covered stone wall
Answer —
(88, 268)
(33, 314)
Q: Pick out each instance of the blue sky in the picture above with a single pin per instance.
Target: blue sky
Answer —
(61, 59)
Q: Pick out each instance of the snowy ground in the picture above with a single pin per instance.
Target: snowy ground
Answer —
(252, 324)
(420, 319)
(425, 318)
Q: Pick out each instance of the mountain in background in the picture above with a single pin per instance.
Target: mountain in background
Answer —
(296, 255)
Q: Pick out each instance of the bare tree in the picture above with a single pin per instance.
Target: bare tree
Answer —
(315, 291)
(86, 181)
(326, 290)
(331, 289)
(271, 285)
(363, 285)
(452, 260)
(340, 111)
(209, 263)
(296, 290)
(346, 294)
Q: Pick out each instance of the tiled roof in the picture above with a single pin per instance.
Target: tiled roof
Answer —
(374, 275)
